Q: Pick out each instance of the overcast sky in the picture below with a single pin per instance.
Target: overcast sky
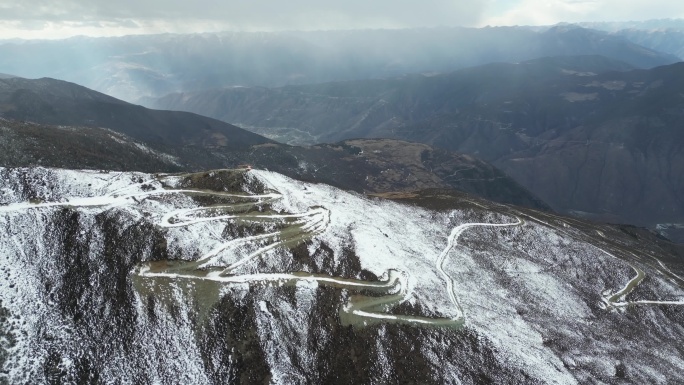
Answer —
(63, 18)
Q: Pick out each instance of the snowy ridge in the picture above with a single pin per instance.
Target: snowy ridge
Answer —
(453, 237)
(129, 277)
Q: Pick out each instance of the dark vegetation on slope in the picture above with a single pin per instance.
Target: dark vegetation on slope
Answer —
(28, 144)
(361, 165)
(7, 339)
(56, 102)
(379, 165)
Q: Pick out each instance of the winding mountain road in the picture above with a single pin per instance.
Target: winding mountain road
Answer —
(358, 309)
(453, 242)
(609, 298)
(289, 229)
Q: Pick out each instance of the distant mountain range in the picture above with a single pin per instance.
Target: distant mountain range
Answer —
(583, 133)
(664, 35)
(53, 123)
(376, 108)
(671, 41)
(644, 25)
(135, 67)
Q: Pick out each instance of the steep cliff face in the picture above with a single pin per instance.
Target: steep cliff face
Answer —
(251, 277)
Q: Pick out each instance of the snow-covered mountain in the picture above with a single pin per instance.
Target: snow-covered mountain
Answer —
(247, 276)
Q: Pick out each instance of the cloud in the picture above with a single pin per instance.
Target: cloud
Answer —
(547, 12)
(250, 15)
(63, 18)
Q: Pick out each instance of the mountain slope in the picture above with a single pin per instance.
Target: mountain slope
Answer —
(28, 144)
(227, 276)
(56, 102)
(138, 139)
(384, 165)
(361, 165)
(586, 140)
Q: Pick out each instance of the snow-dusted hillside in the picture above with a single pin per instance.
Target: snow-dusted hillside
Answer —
(239, 276)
